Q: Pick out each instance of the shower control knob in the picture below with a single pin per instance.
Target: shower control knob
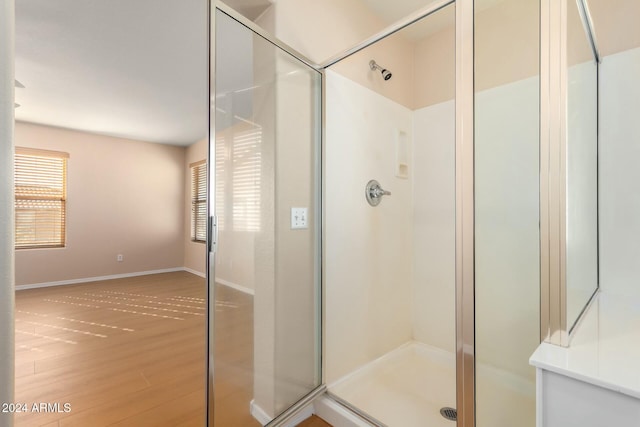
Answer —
(379, 192)
(374, 192)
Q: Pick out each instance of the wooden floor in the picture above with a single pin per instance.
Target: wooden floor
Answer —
(128, 352)
(314, 421)
(131, 352)
(233, 378)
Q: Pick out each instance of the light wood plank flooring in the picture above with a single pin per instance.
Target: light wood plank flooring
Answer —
(314, 421)
(131, 352)
(233, 370)
(127, 352)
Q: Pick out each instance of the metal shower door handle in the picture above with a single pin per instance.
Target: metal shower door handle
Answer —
(374, 192)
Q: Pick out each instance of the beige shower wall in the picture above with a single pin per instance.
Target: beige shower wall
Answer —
(124, 197)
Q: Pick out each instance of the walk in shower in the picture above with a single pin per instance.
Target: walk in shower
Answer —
(390, 268)
(413, 321)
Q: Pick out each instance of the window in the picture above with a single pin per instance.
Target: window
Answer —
(239, 177)
(247, 170)
(41, 198)
(199, 201)
(221, 171)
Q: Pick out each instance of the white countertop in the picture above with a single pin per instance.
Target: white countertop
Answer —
(605, 348)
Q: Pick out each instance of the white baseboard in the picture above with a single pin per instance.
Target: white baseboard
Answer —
(263, 418)
(134, 274)
(236, 286)
(99, 278)
(258, 413)
(197, 273)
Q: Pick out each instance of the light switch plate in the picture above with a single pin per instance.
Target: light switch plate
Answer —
(299, 218)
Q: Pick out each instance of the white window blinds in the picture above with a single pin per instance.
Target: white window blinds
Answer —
(239, 175)
(40, 198)
(199, 201)
(221, 161)
(246, 180)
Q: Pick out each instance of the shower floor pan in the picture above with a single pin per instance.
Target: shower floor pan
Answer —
(406, 387)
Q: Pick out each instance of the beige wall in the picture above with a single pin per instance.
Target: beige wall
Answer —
(616, 24)
(321, 30)
(195, 253)
(263, 245)
(499, 60)
(267, 20)
(435, 76)
(578, 45)
(283, 260)
(505, 35)
(297, 278)
(422, 68)
(124, 197)
(394, 53)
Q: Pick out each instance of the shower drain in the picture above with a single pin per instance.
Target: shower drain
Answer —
(449, 413)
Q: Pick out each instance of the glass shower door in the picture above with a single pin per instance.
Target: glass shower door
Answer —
(264, 272)
(507, 194)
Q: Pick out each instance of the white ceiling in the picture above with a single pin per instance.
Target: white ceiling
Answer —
(134, 68)
(128, 68)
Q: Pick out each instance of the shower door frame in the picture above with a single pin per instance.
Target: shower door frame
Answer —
(465, 199)
(212, 7)
(555, 328)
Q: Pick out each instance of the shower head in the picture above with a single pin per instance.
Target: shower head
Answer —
(386, 74)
